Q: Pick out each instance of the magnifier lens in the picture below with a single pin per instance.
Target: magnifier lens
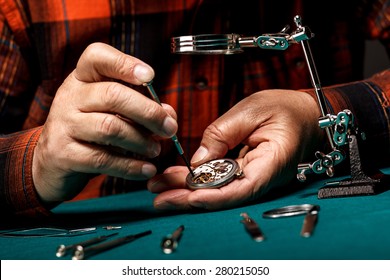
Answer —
(206, 44)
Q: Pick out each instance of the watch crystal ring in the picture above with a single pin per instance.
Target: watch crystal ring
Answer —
(292, 210)
(214, 174)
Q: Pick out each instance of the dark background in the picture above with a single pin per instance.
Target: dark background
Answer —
(376, 58)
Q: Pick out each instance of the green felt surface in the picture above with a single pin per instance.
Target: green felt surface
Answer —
(350, 228)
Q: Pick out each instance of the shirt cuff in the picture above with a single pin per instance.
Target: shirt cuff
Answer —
(18, 194)
(368, 102)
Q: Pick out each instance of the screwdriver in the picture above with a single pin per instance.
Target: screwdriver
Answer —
(170, 242)
(81, 253)
(174, 137)
(62, 250)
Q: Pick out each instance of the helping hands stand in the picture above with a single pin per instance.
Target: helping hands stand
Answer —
(344, 131)
(359, 183)
(340, 129)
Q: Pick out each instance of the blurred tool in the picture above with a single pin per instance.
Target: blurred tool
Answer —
(252, 228)
(46, 232)
(309, 210)
(81, 253)
(309, 222)
(63, 250)
(170, 242)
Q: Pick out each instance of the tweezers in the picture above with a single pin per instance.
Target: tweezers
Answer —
(46, 232)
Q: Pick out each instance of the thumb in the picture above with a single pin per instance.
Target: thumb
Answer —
(100, 62)
(222, 135)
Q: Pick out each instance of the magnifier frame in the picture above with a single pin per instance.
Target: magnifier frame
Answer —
(206, 44)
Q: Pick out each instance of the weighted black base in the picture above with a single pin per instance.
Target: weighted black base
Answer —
(359, 183)
(367, 186)
(349, 190)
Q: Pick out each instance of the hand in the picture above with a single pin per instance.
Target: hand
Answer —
(279, 129)
(94, 122)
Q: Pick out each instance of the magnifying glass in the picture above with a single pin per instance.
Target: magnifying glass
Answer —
(226, 43)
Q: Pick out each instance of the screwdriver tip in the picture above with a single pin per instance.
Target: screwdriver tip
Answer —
(188, 165)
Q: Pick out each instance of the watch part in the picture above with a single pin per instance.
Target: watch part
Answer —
(214, 174)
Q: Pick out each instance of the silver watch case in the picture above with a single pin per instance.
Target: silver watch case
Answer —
(214, 174)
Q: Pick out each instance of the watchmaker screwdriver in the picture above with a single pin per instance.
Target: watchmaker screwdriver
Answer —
(170, 242)
(81, 253)
(62, 250)
(174, 137)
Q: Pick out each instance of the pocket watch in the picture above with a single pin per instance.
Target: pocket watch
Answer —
(214, 174)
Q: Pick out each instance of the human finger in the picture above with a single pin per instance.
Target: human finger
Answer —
(111, 130)
(100, 61)
(95, 159)
(259, 177)
(115, 98)
(174, 177)
(226, 132)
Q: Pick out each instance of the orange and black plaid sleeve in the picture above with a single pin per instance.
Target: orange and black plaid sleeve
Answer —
(19, 197)
(17, 192)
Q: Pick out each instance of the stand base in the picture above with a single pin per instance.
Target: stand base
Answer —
(345, 188)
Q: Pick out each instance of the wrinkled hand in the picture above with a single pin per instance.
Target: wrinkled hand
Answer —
(94, 121)
(279, 128)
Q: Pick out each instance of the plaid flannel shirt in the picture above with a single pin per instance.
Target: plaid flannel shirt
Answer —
(41, 41)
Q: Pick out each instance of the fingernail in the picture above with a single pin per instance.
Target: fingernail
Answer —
(148, 170)
(199, 154)
(170, 126)
(154, 150)
(144, 73)
(163, 205)
(198, 204)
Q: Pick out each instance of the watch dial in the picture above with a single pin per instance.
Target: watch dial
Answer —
(213, 174)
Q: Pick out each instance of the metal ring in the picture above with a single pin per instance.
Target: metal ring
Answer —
(292, 210)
